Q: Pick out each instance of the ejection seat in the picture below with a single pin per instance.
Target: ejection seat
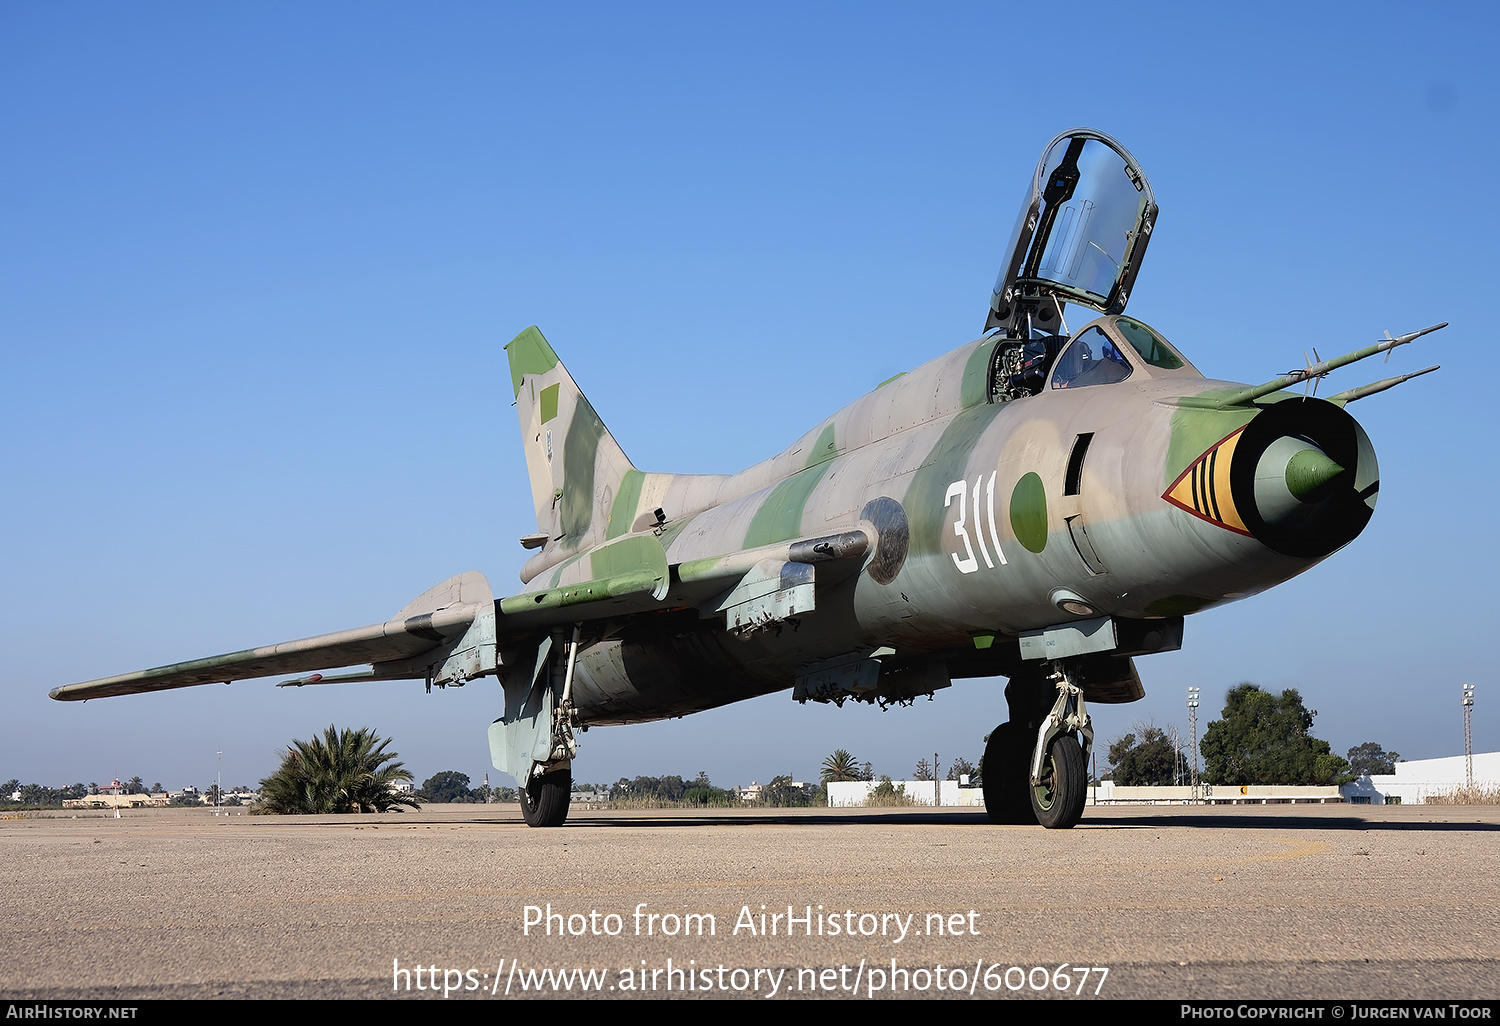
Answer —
(1037, 358)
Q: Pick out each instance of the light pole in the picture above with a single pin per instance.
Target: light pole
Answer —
(1192, 705)
(1468, 735)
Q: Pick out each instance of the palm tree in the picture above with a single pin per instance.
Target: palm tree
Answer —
(343, 771)
(839, 766)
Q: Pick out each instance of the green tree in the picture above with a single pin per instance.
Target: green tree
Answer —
(446, 787)
(839, 766)
(342, 771)
(701, 791)
(1147, 760)
(662, 789)
(40, 794)
(1370, 758)
(780, 793)
(886, 793)
(962, 767)
(924, 770)
(1266, 739)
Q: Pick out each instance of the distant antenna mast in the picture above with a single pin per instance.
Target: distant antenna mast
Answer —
(219, 779)
(1192, 705)
(1468, 734)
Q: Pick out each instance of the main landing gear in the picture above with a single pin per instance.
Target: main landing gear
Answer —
(1034, 768)
(545, 798)
(548, 791)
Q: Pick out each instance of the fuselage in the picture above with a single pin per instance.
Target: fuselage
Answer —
(1016, 515)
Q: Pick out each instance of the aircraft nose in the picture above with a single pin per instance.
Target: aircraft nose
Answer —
(1305, 478)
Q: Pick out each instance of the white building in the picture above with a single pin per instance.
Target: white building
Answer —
(1414, 781)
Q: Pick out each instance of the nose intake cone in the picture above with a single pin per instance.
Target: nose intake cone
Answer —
(1300, 478)
(1292, 476)
(1310, 475)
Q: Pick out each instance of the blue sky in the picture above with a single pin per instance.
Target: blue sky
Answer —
(257, 263)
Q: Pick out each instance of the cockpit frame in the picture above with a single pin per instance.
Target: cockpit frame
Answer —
(1080, 236)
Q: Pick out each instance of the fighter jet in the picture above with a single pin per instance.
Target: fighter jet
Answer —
(1044, 504)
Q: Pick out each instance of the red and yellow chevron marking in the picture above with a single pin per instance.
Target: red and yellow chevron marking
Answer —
(1203, 488)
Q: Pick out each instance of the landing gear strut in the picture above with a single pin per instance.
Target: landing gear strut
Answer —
(546, 794)
(1035, 766)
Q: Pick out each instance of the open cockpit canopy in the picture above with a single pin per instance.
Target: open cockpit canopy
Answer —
(1080, 236)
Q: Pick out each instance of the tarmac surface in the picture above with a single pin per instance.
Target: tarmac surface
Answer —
(1176, 902)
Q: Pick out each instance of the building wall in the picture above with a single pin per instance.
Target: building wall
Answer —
(1107, 793)
(852, 793)
(1414, 781)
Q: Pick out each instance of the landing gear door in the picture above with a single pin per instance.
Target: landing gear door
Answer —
(1080, 237)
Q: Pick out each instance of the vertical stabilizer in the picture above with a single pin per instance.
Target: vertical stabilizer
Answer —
(576, 466)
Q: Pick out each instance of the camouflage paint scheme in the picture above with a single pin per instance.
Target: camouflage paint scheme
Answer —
(924, 443)
(951, 523)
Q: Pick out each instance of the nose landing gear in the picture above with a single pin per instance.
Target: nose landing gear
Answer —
(1051, 786)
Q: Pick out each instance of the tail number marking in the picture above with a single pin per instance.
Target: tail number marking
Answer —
(960, 490)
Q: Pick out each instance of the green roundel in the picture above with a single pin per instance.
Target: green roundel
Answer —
(1028, 512)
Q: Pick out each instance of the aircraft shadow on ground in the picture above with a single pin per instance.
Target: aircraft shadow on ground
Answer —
(1245, 821)
(977, 820)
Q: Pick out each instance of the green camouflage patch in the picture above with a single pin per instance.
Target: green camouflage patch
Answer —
(780, 515)
(947, 462)
(622, 513)
(823, 449)
(529, 353)
(976, 383)
(1194, 432)
(580, 451)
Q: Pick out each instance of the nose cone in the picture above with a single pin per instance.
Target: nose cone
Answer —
(1305, 478)
(1310, 474)
(1292, 477)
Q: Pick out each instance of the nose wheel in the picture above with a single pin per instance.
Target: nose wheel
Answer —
(1036, 772)
(1057, 797)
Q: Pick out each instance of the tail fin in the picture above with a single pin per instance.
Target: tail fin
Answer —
(576, 466)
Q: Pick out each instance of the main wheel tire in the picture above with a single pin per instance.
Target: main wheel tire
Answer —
(545, 798)
(1003, 776)
(1058, 799)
